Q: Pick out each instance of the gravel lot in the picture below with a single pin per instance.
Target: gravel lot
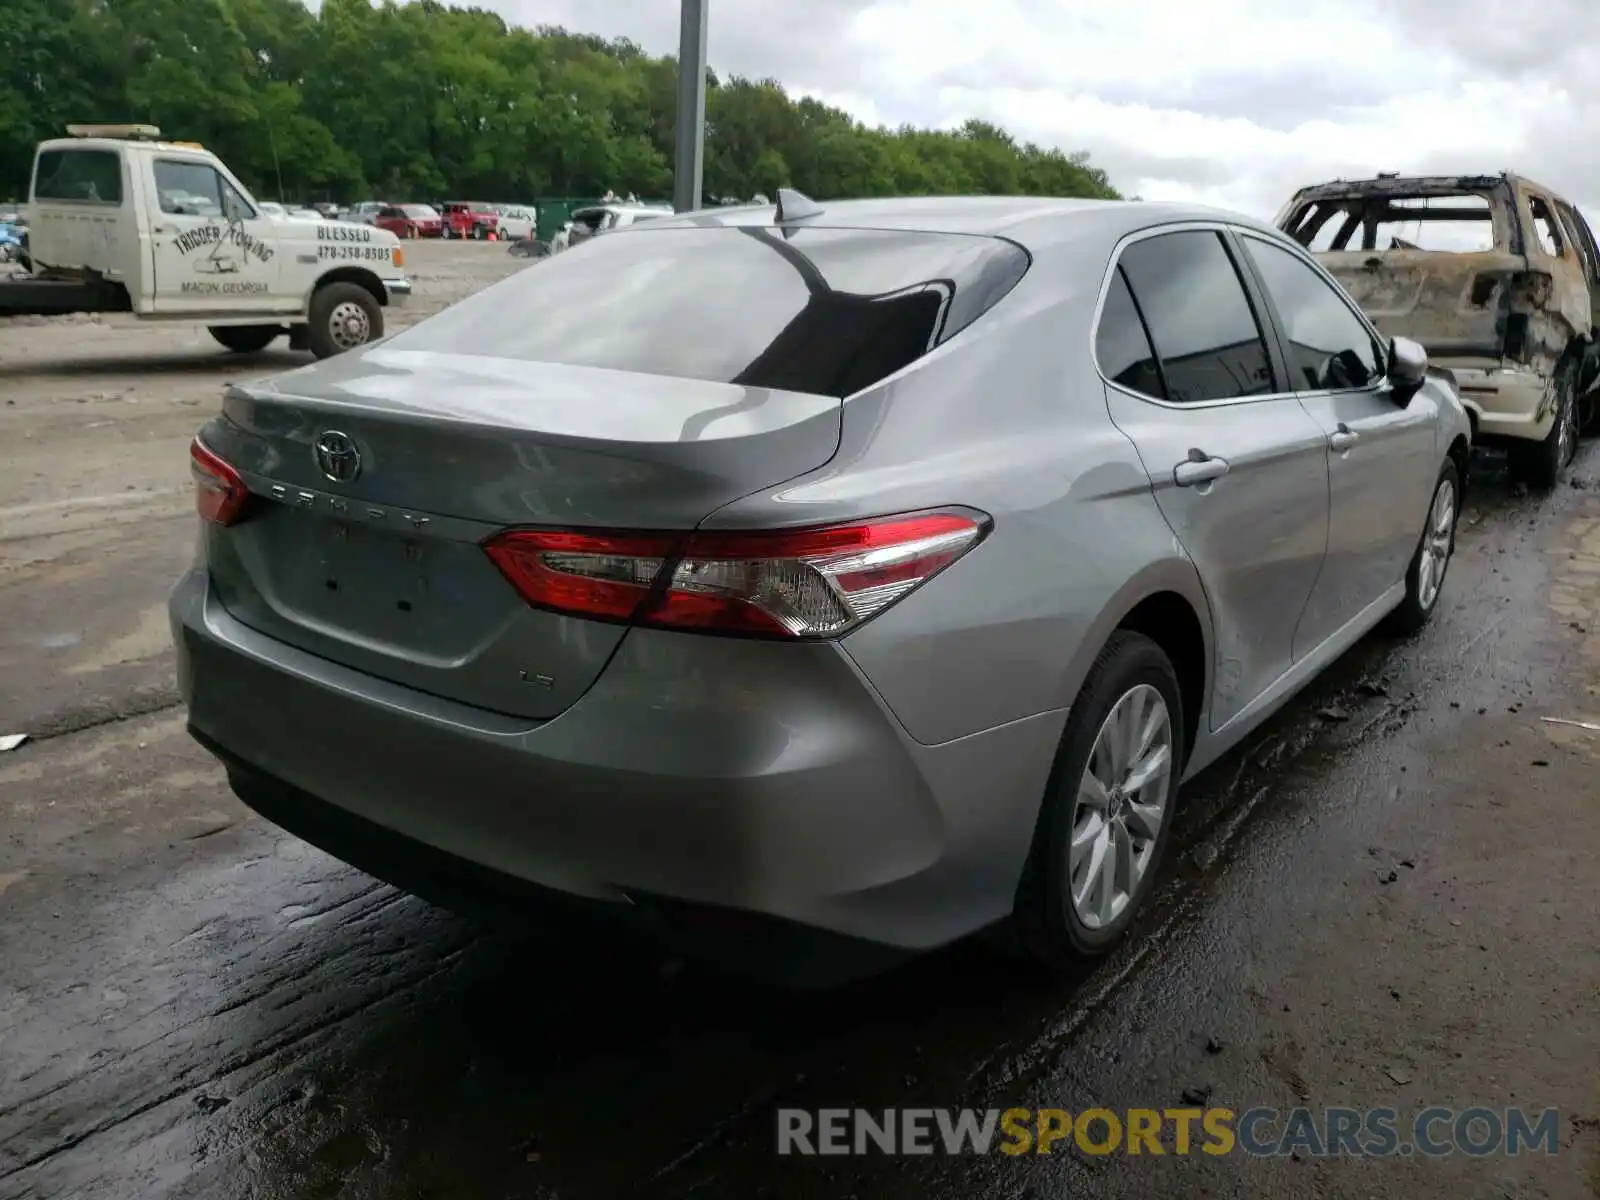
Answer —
(1388, 896)
(95, 496)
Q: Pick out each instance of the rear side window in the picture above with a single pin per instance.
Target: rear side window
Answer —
(1199, 317)
(825, 311)
(81, 176)
(1123, 347)
(1329, 347)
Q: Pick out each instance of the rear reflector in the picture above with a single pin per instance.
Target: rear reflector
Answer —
(220, 494)
(803, 583)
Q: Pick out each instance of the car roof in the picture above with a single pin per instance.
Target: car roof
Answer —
(1031, 221)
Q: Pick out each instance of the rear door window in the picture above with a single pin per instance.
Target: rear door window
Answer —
(1545, 228)
(826, 311)
(1199, 317)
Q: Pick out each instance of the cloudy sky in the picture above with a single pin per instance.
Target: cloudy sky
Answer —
(1230, 102)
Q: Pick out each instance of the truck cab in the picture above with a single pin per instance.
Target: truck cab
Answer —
(125, 222)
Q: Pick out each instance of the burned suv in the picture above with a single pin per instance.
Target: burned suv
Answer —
(1498, 277)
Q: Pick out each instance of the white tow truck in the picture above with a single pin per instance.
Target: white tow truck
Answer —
(122, 222)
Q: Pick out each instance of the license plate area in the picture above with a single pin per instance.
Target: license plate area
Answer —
(382, 585)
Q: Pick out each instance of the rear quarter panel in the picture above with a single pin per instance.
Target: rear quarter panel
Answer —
(1010, 418)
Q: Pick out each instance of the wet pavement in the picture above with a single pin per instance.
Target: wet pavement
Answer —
(1395, 880)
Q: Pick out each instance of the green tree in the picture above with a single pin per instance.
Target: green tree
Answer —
(421, 99)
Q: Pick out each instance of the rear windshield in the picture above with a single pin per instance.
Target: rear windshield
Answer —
(419, 210)
(1459, 223)
(825, 311)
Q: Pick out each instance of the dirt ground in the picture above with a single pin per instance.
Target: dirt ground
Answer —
(1388, 896)
(95, 497)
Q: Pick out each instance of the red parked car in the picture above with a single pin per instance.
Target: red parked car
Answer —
(470, 219)
(410, 220)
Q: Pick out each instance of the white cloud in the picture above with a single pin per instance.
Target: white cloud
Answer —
(1234, 102)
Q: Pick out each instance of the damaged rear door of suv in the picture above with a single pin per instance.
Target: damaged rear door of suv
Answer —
(1493, 275)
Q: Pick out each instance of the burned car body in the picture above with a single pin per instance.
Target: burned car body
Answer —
(1497, 276)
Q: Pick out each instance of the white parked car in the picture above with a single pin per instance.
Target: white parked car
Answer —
(517, 222)
(366, 213)
(602, 218)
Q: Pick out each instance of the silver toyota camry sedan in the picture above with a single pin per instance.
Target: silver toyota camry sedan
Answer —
(852, 576)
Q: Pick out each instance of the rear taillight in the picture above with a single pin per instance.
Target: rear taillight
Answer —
(804, 583)
(220, 494)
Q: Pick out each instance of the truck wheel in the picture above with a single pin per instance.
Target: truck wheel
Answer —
(343, 316)
(1540, 464)
(245, 339)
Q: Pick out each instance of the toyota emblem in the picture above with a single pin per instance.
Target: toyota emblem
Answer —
(337, 456)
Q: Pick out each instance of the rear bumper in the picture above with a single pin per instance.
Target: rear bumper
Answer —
(768, 948)
(737, 775)
(1506, 402)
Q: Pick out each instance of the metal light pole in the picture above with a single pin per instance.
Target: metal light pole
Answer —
(690, 142)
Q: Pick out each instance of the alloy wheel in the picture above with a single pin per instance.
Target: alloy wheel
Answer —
(1437, 542)
(1120, 806)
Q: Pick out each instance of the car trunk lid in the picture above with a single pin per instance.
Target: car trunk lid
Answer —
(378, 475)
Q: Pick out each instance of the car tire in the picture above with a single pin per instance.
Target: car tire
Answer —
(1431, 560)
(343, 317)
(1539, 464)
(1066, 910)
(245, 339)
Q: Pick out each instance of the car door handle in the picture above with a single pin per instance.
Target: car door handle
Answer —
(1199, 468)
(1344, 438)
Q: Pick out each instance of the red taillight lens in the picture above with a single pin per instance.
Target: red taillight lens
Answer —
(219, 493)
(786, 583)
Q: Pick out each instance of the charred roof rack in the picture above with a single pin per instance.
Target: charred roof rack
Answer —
(795, 206)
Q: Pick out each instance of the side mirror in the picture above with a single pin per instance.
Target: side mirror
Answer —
(231, 208)
(1407, 367)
